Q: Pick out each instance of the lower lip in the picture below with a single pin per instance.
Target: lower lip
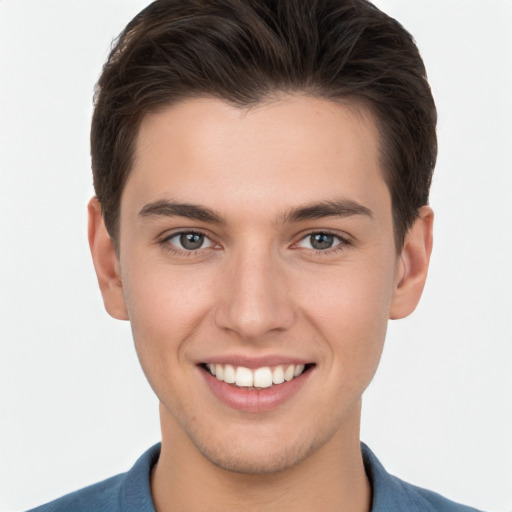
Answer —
(251, 399)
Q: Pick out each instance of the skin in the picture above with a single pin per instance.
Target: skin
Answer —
(257, 287)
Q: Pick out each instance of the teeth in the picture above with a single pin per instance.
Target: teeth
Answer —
(278, 375)
(259, 378)
(244, 377)
(262, 378)
(229, 374)
(289, 373)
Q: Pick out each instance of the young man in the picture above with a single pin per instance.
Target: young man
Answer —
(262, 173)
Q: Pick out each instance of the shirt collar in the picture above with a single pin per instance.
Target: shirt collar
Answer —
(389, 494)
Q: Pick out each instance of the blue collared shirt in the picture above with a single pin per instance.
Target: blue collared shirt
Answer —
(131, 492)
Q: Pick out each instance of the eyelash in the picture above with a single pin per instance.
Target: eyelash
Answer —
(342, 244)
(165, 242)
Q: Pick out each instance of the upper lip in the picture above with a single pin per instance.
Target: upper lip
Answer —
(253, 362)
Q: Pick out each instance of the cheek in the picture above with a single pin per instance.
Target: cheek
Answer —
(350, 309)
(165, 305)
(358, 294)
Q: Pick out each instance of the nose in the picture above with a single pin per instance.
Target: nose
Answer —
(255, 299)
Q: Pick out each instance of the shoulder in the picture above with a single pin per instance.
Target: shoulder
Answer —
(127, 492)
(102, 497)
(431, 501)
(393, 494)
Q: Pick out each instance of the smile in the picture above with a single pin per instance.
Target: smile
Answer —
(256, 387)
(263, 377)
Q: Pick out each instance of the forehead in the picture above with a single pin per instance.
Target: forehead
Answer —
(293, 150)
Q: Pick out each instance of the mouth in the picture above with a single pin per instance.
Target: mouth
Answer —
(257, 378)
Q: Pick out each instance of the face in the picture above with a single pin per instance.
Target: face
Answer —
(257, 245)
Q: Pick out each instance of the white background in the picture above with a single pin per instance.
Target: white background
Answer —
(74, 405)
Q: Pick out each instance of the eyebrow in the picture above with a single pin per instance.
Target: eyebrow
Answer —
(166, 208)
(319, 210)
(334, 208)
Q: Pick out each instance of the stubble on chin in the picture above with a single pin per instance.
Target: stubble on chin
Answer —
(244, 457)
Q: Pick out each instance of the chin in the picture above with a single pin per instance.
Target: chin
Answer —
(262, 462)
(261, 456)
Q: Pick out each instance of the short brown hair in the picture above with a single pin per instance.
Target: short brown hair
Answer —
(245, 51)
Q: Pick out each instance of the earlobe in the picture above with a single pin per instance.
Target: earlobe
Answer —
(413, 265)
(106, 263)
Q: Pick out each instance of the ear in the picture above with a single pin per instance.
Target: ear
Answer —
(413, 265)
(106, 263)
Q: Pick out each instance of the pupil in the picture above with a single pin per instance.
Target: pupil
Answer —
(191, 241)
(322, 241)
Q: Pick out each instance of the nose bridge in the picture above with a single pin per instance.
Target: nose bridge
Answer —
(256, 299)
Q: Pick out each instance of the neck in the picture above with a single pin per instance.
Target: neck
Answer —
(331, 479)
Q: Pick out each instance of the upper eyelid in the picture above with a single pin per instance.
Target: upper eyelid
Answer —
(340, 240)
(168, 234)
(344, 238)
(166, 237)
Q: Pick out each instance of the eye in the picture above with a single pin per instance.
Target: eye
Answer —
(189, 241)
(320, 241)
